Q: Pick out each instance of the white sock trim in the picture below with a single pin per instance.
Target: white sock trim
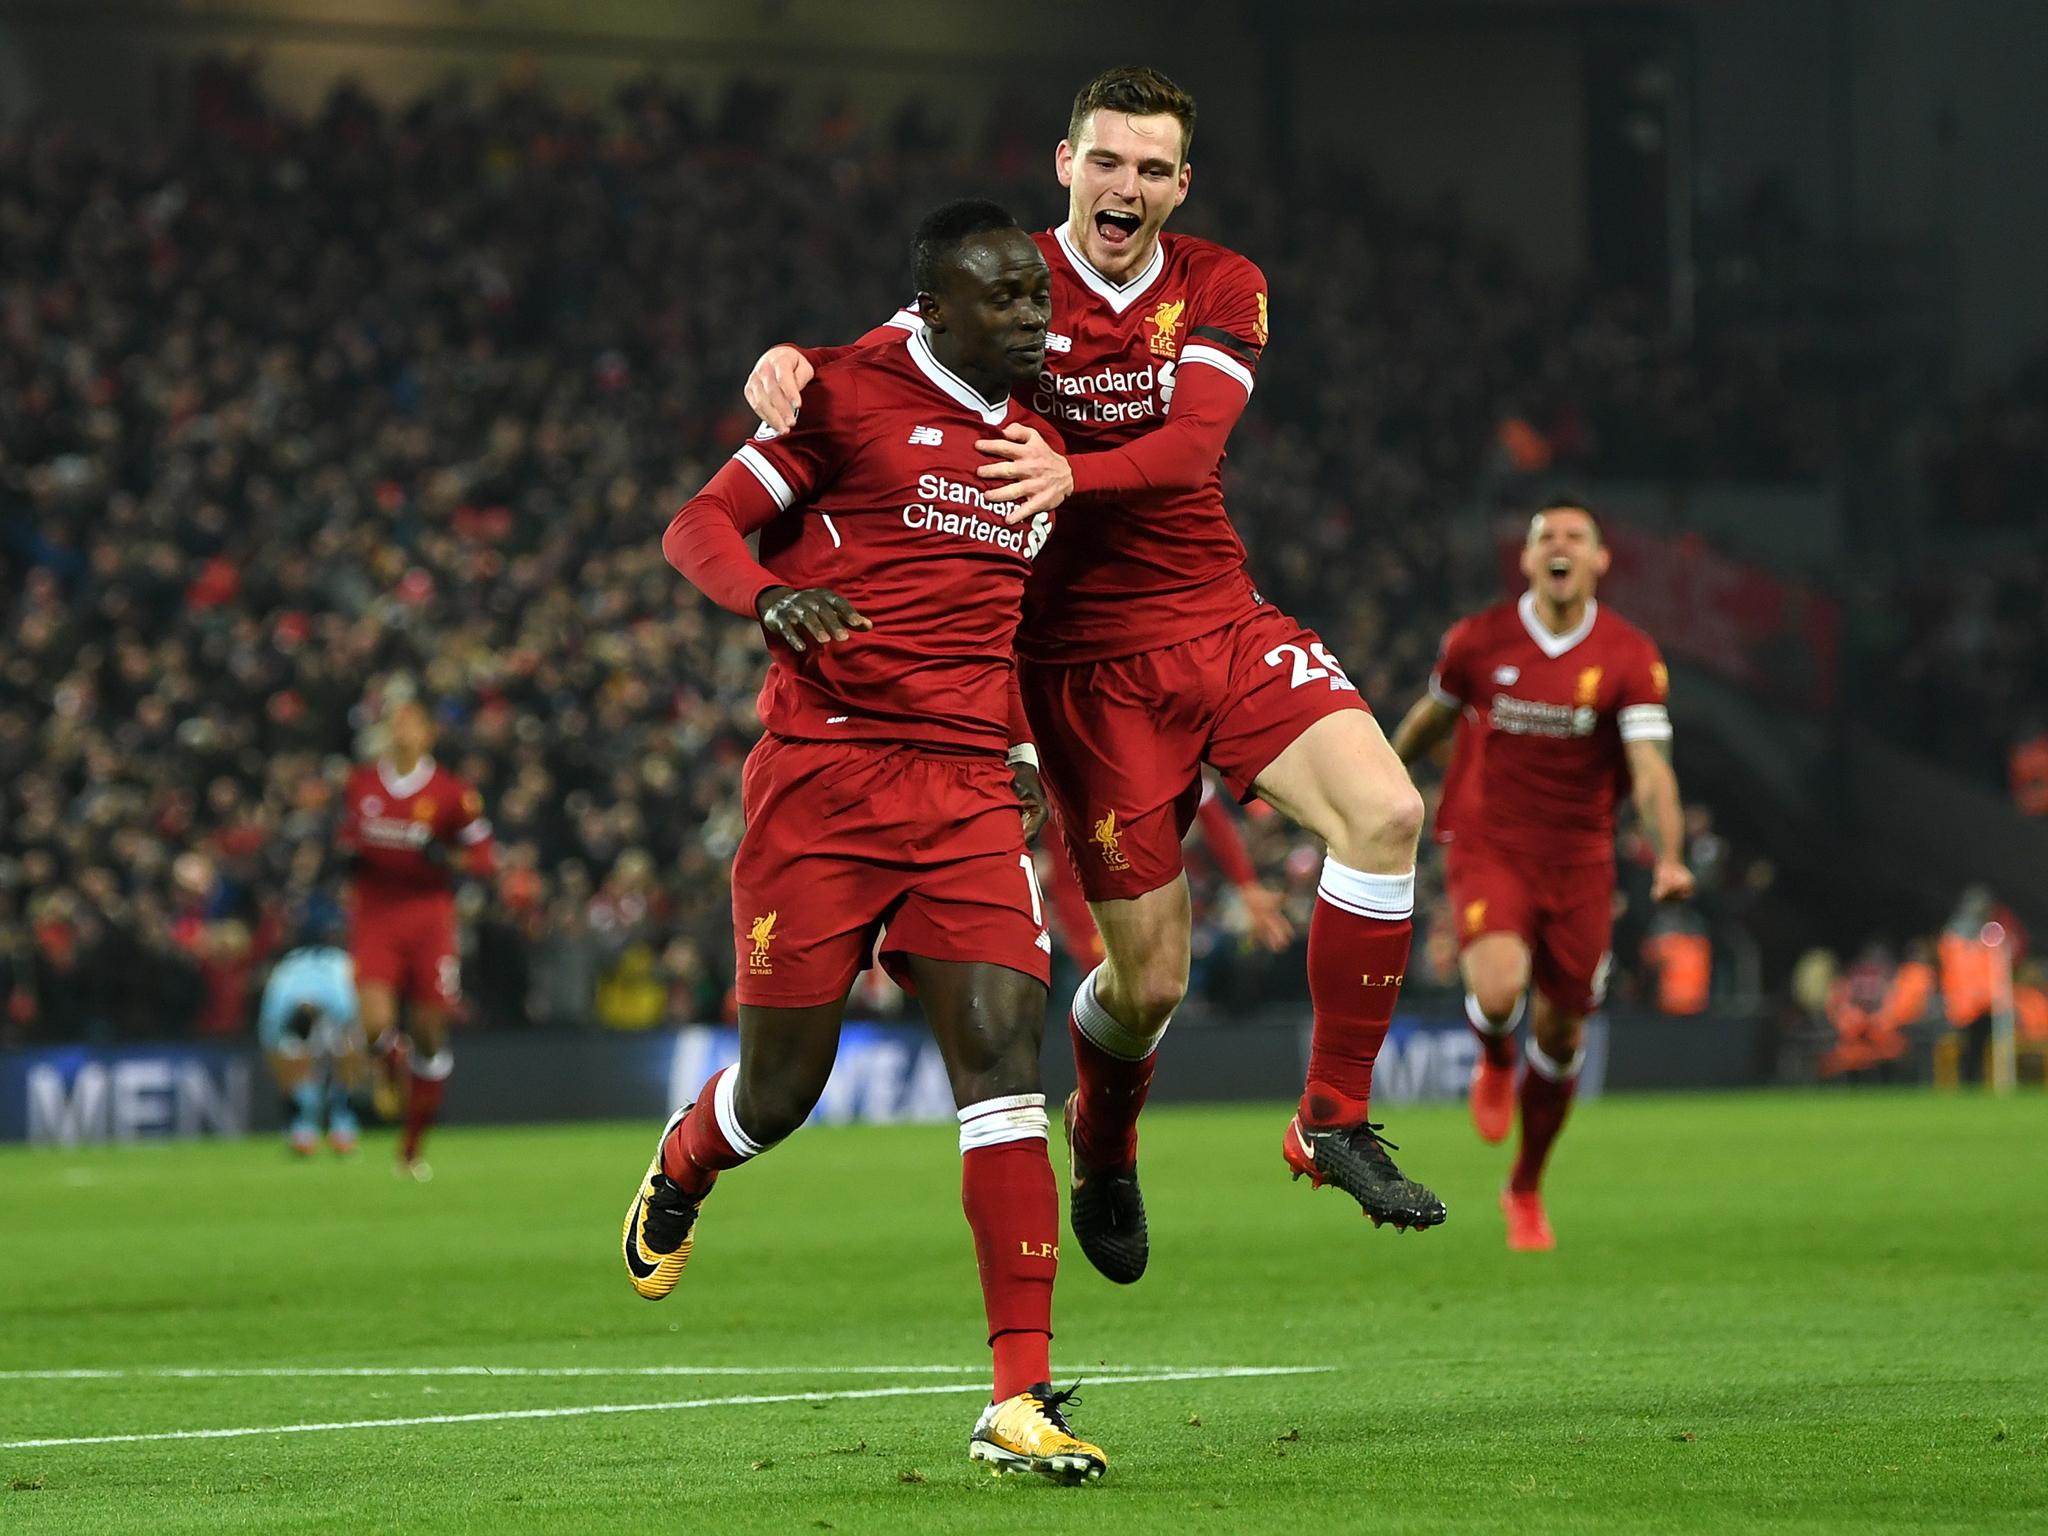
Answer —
(1018, 1117)
(1544, 1065)
(1486, 1026)
(728, 1120)
(1386, 897)
(1103, 1027)
(433, 1068)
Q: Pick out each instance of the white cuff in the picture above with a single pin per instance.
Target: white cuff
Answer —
(1544, 1065)
(1024, 752)
(1019, 1117)
(1104, 1028)
(1387, 897)
(1486, 1026)
(728, 1121)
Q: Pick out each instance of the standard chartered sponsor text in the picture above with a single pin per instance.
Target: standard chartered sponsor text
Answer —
(1077, 396)
(925, 517)
(1533, 717)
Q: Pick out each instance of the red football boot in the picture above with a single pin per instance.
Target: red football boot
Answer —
(1528, 1228)
(1493, 1100)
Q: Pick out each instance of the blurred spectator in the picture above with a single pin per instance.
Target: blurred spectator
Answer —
(632, 993)
(2028, 766)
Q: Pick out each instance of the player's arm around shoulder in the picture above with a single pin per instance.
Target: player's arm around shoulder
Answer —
(775, 388)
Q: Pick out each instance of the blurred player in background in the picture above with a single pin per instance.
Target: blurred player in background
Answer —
(1558, 707)
(312, 1038)
(1265, 920)
(885, 796)
(1147, 652)
(408, 826)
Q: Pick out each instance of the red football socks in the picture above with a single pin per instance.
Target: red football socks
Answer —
(1358, 942)
(1546, 1096)
(1013, 1209)
(423, 1100)
(1113, 1070)
(708, 1139)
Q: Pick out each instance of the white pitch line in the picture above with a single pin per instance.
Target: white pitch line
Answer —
(288, 1372)
(744, 1400)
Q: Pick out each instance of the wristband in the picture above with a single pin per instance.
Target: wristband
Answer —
(1024, 754)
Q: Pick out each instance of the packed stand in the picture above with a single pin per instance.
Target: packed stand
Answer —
(1928, 1008)
(295, 416)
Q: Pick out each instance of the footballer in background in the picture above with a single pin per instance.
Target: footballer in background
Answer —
(408, 828)
(1558, 708)
(312, 1037)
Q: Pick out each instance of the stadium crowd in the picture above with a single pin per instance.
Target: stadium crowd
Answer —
(299, 416)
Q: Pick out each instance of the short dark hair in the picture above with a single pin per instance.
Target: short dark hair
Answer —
(940, 234)
(1563, 502)
(1136, 92)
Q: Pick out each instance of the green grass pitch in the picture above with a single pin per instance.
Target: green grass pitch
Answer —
(1783, 1313)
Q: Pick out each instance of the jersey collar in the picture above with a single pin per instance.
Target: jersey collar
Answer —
(1118, 296)
(401, 788)
(1551, 645)
(952, 384)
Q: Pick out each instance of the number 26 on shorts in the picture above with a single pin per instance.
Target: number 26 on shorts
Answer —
(1305, 672)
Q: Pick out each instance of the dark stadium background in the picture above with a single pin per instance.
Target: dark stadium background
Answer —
(358, 347)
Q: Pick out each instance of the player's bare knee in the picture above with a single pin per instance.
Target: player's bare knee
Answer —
(1158, 989)
(772, 1112)
(1380, 829)
(1497, 996)
(1009, 1071)
(1399, 827)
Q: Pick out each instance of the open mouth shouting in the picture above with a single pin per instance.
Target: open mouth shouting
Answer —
(1115, 228)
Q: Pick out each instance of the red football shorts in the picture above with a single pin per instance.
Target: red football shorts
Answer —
(1122, 741)
(845, 840)
(407, 942)
(1564, 913)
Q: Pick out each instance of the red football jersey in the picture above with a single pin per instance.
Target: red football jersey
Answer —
(1539, 762)
(1136, 570)
(389, 819)
(873, 494)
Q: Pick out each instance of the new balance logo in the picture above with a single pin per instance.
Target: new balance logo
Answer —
(926, 437)
(1054, 342)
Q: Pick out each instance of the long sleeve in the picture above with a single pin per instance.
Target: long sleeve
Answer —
(707, 539)
(1182, 452)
